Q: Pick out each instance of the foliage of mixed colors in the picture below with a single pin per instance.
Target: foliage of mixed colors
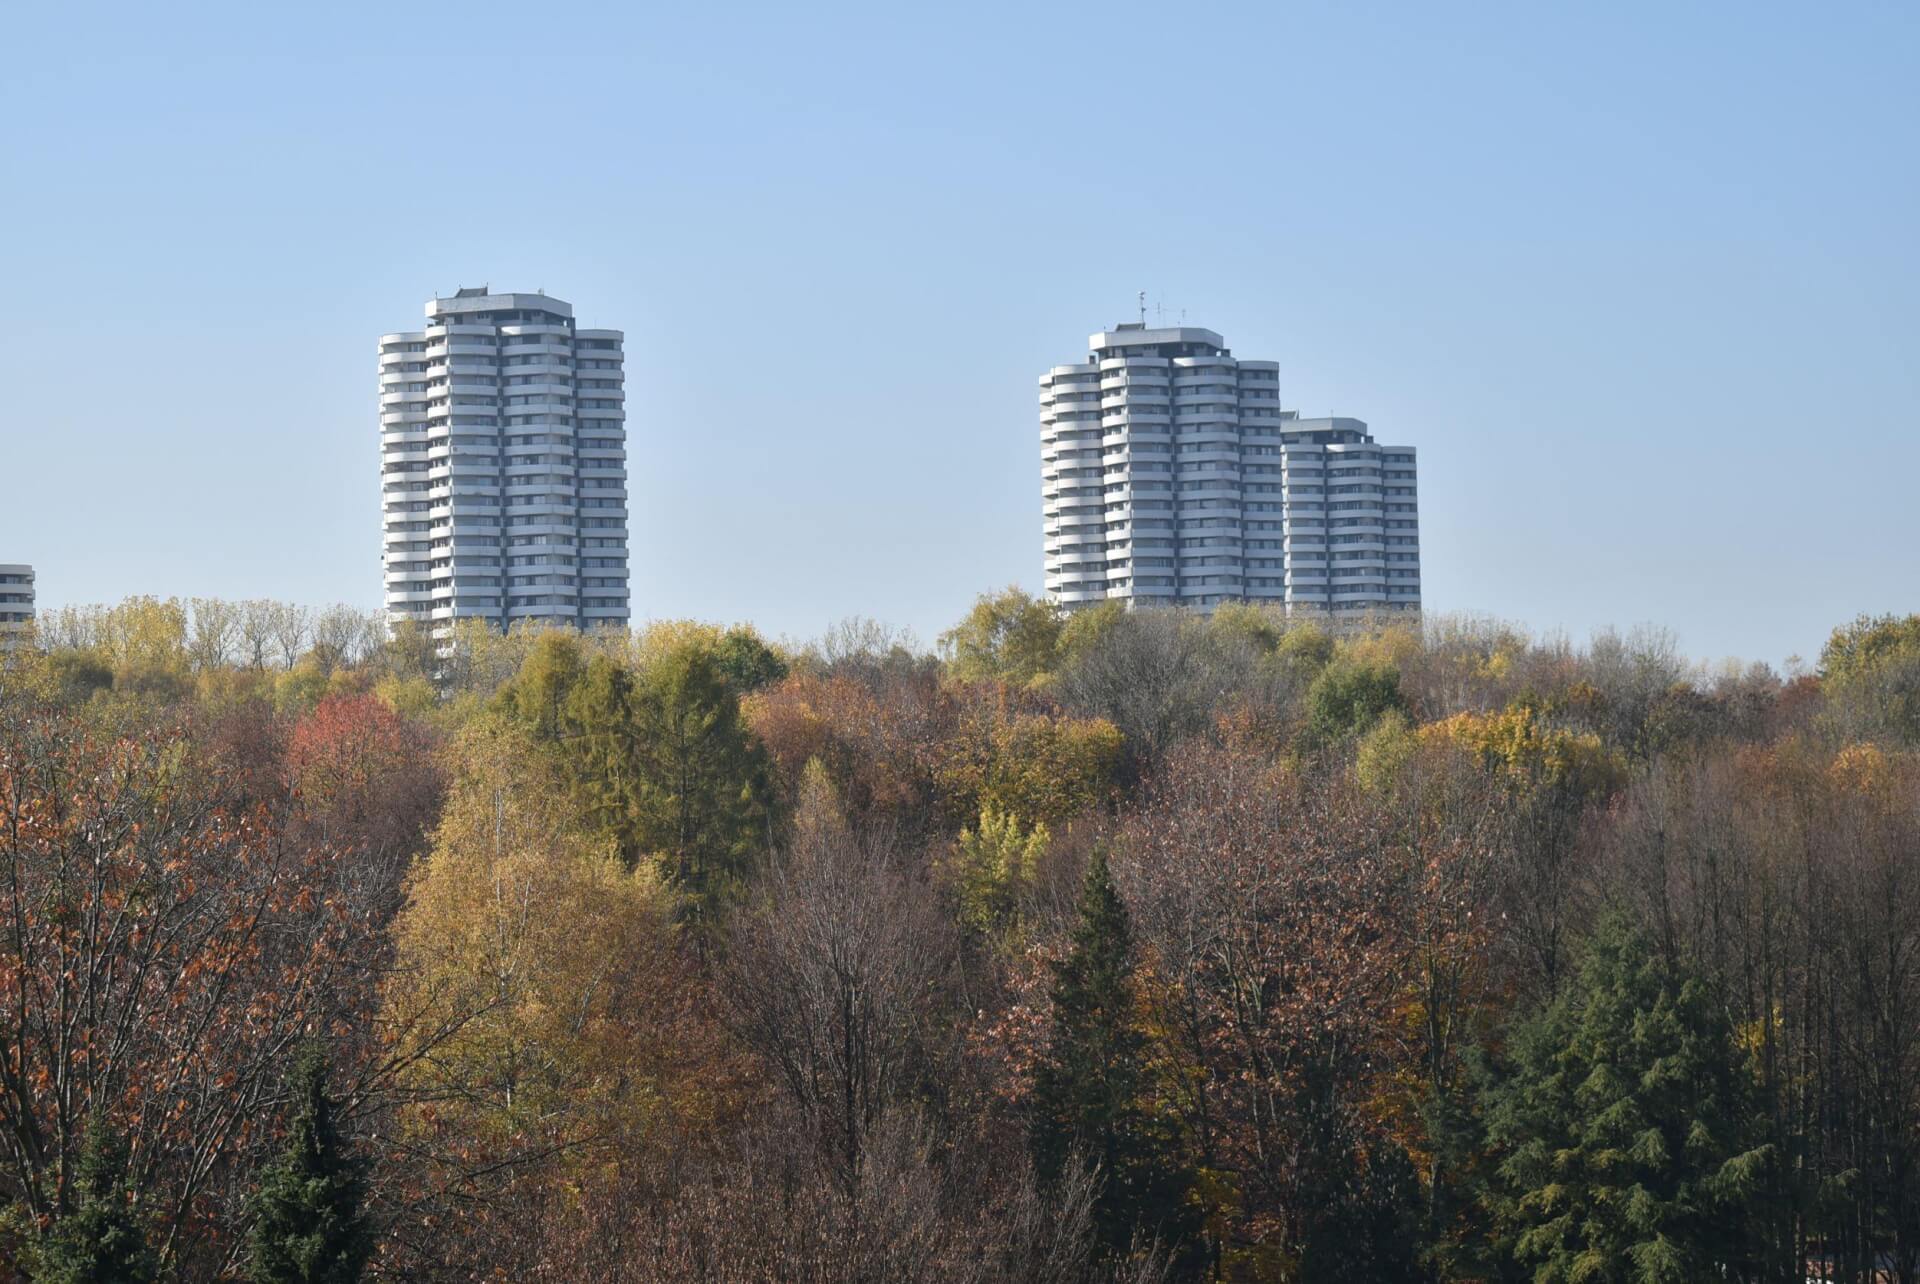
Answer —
(1103, 947)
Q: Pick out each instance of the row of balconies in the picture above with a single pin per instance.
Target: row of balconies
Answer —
(534, 327)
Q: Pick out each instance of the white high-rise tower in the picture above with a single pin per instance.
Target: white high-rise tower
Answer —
(1171, 476)
(503, 465)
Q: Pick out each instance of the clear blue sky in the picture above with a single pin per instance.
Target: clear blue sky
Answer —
(1639, 280)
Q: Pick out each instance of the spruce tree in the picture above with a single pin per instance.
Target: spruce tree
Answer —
(101, 1239)
(537, 694)
(308, 1227)
(700, 781)
(1088, 1090)
(599, 754)
(1626, 1127)
(1362, 1223)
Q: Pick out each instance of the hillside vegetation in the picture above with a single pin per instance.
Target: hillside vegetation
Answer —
(1102, 947)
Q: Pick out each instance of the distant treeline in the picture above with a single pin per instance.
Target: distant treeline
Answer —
(1096, 947)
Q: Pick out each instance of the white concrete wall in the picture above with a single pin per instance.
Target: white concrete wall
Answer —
(503, 465)
(1171, 476)
(16, 599)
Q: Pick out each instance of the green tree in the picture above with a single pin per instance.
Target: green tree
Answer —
(529, 964)
(1009, 635)
(308, 1227)
(1303, 651)
(700, 784)
(73, 676)
(1363, 1221)
(1868, 641)
(1625, 1125)
(1349, 697)
(597, 748)
(1255, 626)
(992, 869)
(746, 662)
(409, 651)
(654, 754)
(102, 1238)
(1871, 670)
(1089, 1091)
(1084, 629)
(537, 697)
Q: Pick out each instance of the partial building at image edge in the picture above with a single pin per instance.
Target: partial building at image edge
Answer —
(503, 466)
(1170, 476)
(16, 600)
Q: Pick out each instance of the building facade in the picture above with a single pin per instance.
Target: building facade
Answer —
(503, 466)
(16, 600)
(1170, 476)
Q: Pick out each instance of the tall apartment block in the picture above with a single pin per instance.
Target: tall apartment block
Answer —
(503, 465)
(1170, 476)
(16, 600)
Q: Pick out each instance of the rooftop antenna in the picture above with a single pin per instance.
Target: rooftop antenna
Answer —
(1143, 307)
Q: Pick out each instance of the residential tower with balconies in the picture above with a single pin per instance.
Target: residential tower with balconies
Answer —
(1170, 476)
(503, 466)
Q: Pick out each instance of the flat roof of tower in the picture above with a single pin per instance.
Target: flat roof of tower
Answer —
(477, 299)
(1134, 334)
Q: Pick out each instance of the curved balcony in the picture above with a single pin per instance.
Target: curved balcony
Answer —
(1134, 418)
(1062, 523)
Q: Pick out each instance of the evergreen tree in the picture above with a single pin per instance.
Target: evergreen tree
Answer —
(745, 662)
(1348, 697)
(1626, 1122)
(700, 780)
(601, 756)
(537, 695)
(1363, 1223)
(308, 1227)
(1088, 1089)
(101, 1239)
(656, 758)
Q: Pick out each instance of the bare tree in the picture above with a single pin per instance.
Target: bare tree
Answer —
(833, 978)
(291, 626)
(256, 631)
(1631, 674)
(342, 635)
(859, 638)
(373, 636)
(215, 627)
(77, 628)
(1157, 676)
(918, 1215)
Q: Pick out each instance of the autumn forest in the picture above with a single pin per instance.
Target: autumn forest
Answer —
(1103, 948)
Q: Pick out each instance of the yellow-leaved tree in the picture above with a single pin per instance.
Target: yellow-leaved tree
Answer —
(1041, 769)
(991, 870)
(541, 1007)
(1533, 754)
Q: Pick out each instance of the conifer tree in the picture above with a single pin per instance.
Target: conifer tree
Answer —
(700, 788)
(537, 694)
(1088, 1090)
(101, 1239)
(600, 754)
(308, 1226)
(1626, 1123)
